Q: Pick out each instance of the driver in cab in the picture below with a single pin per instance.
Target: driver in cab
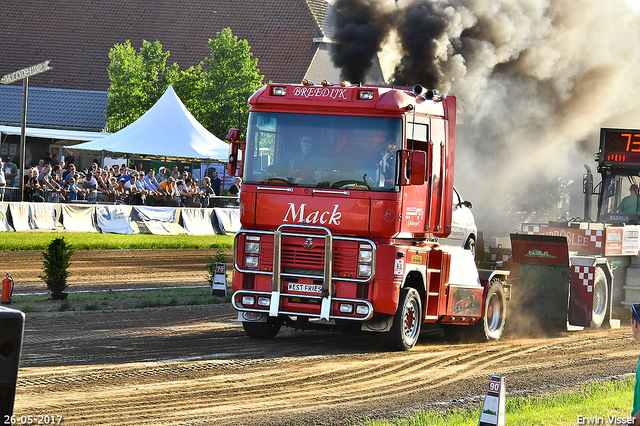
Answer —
(631, 203)
(297, 165)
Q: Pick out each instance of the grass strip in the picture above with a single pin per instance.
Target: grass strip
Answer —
(37, 240)
(606, 403)
(112, 300)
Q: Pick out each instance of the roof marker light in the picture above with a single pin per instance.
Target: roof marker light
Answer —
(326, 83)
(366, 95)
(345, 84)
(278, 91)
(306, 82)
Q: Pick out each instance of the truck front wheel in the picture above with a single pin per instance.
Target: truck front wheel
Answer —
(407, 320)
(262, 330)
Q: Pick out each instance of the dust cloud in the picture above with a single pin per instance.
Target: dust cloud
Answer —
(535, 81)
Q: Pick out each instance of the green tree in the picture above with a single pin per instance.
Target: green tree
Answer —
(230, 76)
(138, 80)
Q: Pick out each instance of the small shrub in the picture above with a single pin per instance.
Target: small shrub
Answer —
(219, 257)
(55, 265)
(65, 305)
(94, 306)
(28, 307)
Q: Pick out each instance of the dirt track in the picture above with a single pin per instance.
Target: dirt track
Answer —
(194, 365)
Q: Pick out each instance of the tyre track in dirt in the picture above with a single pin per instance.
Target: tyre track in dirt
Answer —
(195, 365)
(297, 378)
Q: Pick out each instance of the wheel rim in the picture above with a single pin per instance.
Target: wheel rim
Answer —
(410, 320)
(599, 298)
(494, 313)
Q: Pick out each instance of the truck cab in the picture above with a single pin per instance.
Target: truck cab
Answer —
(345, 190)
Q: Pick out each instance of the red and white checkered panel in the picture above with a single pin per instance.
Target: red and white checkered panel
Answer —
(584, 275)
(596, 236)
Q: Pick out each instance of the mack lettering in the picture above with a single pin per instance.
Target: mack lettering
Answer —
(326, 217)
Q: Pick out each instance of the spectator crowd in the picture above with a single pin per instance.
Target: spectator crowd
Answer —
(54, 181)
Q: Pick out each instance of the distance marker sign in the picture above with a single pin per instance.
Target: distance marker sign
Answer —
(494, 408)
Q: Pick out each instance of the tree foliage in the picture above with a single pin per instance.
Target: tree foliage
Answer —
(230, 77)
(138, 80)
(215, 91)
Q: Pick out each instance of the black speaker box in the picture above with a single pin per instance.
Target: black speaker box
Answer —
(11, 330)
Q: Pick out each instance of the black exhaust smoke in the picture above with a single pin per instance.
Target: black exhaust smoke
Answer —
(361, 27)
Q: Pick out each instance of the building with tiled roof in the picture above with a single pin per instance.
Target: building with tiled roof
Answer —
(77, 35)
(290, 39)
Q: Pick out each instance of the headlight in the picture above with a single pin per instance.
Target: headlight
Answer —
(252, 247)
(364, 270)
(346, 308)
(264, 301)
(362, 310)
(251, 262)
(365, 256)
(248, 300)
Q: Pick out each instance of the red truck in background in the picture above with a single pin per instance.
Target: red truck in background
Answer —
(345, 190)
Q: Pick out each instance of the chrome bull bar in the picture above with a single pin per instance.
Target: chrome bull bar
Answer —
(238, 306)
(327, 292)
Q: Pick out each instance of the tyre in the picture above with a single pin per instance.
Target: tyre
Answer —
(471, 245)
(491, 325)
(262, 330)
(600, 298)
(407, 320)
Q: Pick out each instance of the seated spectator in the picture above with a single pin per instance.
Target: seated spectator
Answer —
(121, 192)
(180, 193)
(216, 183)
(160, 175)
(32, 190)
(10, 173)
(91, 186)
(234, 189)
(207, 191)
(69, 173)
(169, 188)
(115, 172)
(55, 191)
(136, 192)
(72, 190)
(90, 182)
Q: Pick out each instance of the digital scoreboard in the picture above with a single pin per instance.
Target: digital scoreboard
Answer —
(620, 147)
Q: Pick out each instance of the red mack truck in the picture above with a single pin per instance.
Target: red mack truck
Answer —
(345, 190)
(581, 272)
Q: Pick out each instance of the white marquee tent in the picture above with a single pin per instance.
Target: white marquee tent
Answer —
(166, 131)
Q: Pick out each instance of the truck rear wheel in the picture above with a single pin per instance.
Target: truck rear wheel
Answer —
(262, 330)
(600, 298)
(491, 325)
(407, 320)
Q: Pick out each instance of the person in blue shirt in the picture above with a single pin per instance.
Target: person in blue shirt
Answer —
(630, 203)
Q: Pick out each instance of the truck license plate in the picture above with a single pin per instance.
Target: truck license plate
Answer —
(306, 288)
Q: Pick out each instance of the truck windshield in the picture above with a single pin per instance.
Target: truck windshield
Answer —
(322, 151)
(619, 199)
